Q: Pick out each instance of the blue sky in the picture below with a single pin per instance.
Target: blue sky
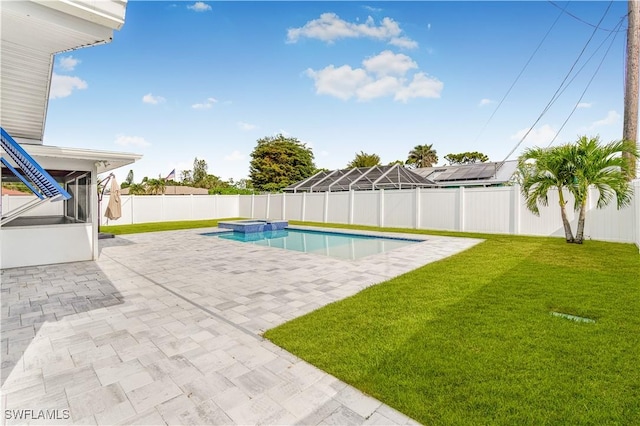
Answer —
(208, 79)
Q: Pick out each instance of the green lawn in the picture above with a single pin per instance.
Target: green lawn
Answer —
(471, 340)
(160, 226)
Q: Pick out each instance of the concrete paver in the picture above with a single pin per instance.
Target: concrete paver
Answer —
(165, 328)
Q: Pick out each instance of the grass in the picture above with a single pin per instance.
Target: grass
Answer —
(471, 339)
(160, 226)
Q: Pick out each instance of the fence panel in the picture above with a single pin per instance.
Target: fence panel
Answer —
(275, 206)
(12, 202)
(438, 209)
(487, 210)
(293, 207)
(260, 206)
(244, 207)
(366, 208)
(399, 208)
(338, 208)
(314, 209)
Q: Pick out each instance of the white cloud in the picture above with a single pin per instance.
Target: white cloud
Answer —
(136, 141)
(422, 86)
(385, 86)
(234, 156)
(330, 27)
(485, 101)
(63, 85)
(387, 62)
(372, 9)
(382, 75)
(585, 104)
(153, 100)
(342, 82)
(246, 126)
(67, 63)
(429, 26)
(404, 42)
(540, 136)
(199, 6)
(205, 105)
(611, 118)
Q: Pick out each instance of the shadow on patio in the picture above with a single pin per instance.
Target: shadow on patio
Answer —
(41, 297)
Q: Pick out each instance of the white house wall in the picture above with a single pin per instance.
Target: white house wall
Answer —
(43, 245)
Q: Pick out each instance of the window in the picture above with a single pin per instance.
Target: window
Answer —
(78, 206)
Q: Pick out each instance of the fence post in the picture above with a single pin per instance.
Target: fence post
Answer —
(381, 207)
(268, 205)
(133, 198)
(325, 217)
(416, 210)
(352, 197)
(304, 206)
(253, 204)
(461, 208)
(284, 205)
(514, 226)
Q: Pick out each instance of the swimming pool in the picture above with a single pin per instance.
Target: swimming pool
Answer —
(333, 244)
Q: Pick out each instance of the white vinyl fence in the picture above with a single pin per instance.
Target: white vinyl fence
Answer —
(165, 208)
(488, 210)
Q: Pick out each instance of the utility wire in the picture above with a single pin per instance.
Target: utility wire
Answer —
(616, 30)
(519, 75)
(556, 94)
(615, 34)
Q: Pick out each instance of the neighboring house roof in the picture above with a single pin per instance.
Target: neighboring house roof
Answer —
(176, 190)
(361, 179)
(475, 174)
(7, 191)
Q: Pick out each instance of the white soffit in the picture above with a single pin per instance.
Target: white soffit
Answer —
(107, 160)
(32, 32)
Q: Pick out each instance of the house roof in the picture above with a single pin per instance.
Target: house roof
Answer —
(32, 32)
(475, 174)
(8, 191)
(361, 178)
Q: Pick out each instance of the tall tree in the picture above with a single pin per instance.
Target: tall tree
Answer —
(199, 171)
(279, 161)
(468, 157)
(422, 156)
(185, 177)
(363, 159)
(574, 168)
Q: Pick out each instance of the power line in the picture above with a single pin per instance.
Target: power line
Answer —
(556, 94)
(519, 75)
(585, 22)
(587, 87)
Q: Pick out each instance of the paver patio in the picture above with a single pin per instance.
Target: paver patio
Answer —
(165, 328)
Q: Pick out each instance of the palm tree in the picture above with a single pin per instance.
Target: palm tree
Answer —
(137, 189)
(576, 167)
(364, 160)
(605, 168)
(422, 156)
(542, 170)
(156, 186)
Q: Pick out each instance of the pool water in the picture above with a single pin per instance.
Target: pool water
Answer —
(333, 244)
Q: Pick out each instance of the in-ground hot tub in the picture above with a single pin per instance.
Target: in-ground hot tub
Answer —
(254, 225)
